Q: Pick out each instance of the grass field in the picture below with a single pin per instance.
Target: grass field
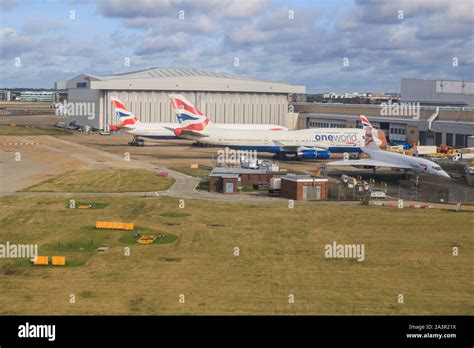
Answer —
(105, 180)
(22, 130)
(407, 252)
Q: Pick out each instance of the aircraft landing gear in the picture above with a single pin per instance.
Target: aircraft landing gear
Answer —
(280, 156)
(137, 141)
(354, 155)
(417, 181)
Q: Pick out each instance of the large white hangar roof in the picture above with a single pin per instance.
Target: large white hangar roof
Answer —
(186, 79)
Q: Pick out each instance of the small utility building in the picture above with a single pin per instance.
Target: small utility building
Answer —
(230, 179)
(304, 187)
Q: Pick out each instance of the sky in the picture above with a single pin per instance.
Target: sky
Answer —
(340, 46)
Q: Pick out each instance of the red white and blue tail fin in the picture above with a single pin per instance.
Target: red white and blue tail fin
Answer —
(126, 117)
(365, 122)
(189, 116)
(373, 135)
(370, 139)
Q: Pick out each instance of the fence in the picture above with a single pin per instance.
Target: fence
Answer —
(406, 190)
(429, 192)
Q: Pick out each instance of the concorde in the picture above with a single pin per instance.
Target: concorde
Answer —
(382, 158)
(317, 143)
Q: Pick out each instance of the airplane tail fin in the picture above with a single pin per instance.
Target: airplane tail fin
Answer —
(189, 116)
(365, 122)
(377, 136)
(125, 116)
(369, 139)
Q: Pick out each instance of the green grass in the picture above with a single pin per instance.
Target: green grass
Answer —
(407, 251)
(94, 205)
(197, 172)
(174, 214)
(22, 130)
(87, 294)
(105, 180)
(129, 238)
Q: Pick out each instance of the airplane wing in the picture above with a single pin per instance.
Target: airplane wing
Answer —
(193, 133)
(184, 132)
(368, 163)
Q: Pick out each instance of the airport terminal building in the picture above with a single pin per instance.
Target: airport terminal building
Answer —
(439, 113)
(224, 98)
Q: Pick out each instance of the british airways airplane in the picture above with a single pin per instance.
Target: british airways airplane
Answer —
(317, 143)
(189, 114)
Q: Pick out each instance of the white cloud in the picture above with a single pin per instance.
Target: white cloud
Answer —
(305, 50)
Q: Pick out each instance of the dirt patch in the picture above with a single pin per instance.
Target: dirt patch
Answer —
(10, 270)
(170, 259)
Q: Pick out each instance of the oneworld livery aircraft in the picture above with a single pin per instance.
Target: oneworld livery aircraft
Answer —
(189, 117)
(317, 143)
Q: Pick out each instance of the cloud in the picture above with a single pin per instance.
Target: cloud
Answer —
(161, 43)
(271, 45)
(136, 8)
(13, 45)
(7, 5)
(41, 26)
(244, 9)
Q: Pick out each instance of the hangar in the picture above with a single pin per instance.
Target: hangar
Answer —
(223, 97)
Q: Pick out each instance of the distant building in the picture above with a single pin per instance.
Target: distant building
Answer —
(5, 95)
(37, 96)
(437, 92)
(329, 95)
(299, 97)
(333, 95)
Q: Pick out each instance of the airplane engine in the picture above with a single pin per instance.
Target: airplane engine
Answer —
(312, 153)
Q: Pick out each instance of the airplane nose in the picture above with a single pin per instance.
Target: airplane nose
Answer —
(445, 175)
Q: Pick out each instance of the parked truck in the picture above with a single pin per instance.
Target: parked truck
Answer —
(425, 150)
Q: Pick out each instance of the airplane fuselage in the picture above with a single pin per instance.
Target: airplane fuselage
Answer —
(416, 164)
(163, 130)
(335, 140)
